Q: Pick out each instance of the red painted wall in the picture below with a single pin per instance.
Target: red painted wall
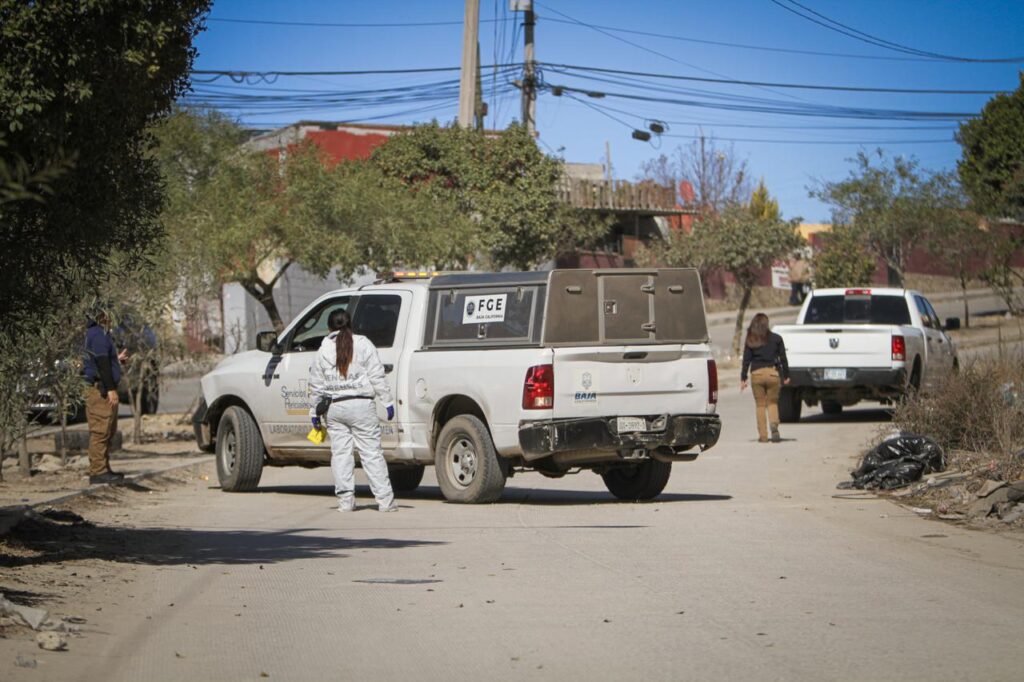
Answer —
(343, 145)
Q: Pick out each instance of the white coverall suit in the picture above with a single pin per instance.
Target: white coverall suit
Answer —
(353, 421)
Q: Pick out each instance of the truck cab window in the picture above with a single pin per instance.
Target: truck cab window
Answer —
(309, 333)
(376, 318)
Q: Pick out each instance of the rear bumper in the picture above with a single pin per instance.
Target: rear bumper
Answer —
(680, 431)
(855, 378)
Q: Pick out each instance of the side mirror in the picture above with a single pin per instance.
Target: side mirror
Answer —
(267, 342)
(952, 324)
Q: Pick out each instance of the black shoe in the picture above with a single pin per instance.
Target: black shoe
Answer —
(776, 438)
(110, 478)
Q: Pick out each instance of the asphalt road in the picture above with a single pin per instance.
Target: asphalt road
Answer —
(750, 566)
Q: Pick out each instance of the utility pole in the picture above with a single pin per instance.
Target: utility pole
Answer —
(529, 69)
(607, 160)
(470, 64)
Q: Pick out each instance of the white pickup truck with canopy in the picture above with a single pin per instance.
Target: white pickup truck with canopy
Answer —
(493, 373)
(850, 345)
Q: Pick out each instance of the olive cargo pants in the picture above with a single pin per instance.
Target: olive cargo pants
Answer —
(765, 384)
(102, 427)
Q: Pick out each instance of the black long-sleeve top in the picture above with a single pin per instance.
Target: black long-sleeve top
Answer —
(771, 354)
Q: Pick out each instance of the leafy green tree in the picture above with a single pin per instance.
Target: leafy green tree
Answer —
(842, 260)
(246, 217)
(742, 239)
(502, 181)
(762, 205)
(80, 82)
(888, 202)
(955, 237)
(992, 164)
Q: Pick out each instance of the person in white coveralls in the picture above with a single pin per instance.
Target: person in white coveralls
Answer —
(344, 379)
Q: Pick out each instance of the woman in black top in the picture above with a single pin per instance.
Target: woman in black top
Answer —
(764, 357)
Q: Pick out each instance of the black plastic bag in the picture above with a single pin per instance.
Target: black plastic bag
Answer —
(897, 461)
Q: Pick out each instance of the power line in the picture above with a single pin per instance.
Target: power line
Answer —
(240, 76)
(745, 46)
(831, 24)
(327, 24)
(652, 51)
(810, 110)
(600, 110)
(800, 86)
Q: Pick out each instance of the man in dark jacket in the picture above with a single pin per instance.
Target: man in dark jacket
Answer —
(101, 368)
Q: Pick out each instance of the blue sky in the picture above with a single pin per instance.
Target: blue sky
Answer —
(806, 148)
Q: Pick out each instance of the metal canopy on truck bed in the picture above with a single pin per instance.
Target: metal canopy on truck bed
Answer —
(624, 306)
(583, 307)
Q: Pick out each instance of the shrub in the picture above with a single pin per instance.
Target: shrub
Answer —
(978, 411)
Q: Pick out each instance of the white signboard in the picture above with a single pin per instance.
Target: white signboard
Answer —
(780, 277)
(482, 309)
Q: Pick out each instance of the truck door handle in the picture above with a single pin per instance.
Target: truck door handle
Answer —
(388, 369)
(648, 327)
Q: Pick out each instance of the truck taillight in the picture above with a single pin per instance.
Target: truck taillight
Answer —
(539, 388)
(899, 348)
(712, 382)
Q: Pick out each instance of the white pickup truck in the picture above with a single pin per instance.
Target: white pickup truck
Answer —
(850, 345)
(607, 370)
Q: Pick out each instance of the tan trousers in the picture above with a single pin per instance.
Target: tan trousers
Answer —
(765, 384)
(102, 427)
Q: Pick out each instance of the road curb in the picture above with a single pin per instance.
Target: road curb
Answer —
(13, 515)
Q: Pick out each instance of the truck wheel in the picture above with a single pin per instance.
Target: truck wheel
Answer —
(466, 463)
(645, 481)
(831, 407)
(405, 479)
(790, 405)
(239, 451)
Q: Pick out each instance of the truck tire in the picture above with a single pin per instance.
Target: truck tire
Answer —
(832, 407)
(466, 464)
(645, 481)
(405, 479)
(790, 405)
(239, 451)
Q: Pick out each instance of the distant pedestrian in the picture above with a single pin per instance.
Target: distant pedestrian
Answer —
(764, 356)
(101, 368)
(799, 278)
(344, 379)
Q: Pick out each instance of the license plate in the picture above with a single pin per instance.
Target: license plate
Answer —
(630, 424)
(835, 374)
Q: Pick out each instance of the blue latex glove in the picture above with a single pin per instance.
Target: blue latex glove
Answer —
(391, 412)
(316, 423)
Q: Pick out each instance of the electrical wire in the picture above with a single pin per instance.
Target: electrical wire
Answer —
(820, 19)
(600, 109)
(745, 46)
(652, 51)
(799, 86)
(327, 24)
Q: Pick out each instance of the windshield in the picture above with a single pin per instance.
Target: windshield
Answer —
(858, 309)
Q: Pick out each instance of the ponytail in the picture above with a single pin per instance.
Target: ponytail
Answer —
(340, 322)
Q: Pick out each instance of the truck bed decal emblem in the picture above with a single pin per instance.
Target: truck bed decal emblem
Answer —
(833, 342)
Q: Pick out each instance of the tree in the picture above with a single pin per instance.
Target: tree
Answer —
(79, 84)
(247, 217)
(842, 260)
(888, 203)
(955, 237)
(742, 239)
(719, 177)
(502, 181)
(992, 164)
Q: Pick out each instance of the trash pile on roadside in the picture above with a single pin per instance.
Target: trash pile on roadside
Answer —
(913, 470)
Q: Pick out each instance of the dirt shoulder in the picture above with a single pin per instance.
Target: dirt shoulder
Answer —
(77, 557)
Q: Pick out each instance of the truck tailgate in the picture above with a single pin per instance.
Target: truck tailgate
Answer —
(852, 345)
(630, 380)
